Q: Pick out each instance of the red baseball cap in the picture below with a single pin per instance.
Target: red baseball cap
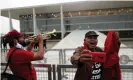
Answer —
(13, 34)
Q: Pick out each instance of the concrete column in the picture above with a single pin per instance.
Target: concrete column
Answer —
(36, 30)
(10, 20)
(62, 23)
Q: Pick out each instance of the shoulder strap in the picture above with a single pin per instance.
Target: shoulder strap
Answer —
(9, 59)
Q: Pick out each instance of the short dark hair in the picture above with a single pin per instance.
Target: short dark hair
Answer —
(11, 42)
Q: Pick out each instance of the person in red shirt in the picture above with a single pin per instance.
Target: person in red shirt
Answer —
(21, 58)
(87, 69)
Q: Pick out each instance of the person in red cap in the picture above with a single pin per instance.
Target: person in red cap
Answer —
(21, 59)
(89, 70)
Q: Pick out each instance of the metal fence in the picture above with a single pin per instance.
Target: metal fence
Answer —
(62, 56)
(127, 72)
(43, 71)
(67, 72)
(46, 71)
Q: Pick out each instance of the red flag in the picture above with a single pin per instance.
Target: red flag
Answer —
(96, 56)
(111, 48)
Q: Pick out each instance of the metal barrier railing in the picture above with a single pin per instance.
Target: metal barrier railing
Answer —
(61, 69)
(125, 54)
(43, 71)
(62, 56)
(67, 72)
(127, 72)
(57, 56)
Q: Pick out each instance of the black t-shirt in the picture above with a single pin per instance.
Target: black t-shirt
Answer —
(96, 71)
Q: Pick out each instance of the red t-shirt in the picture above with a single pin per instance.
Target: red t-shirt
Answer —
(20, 61)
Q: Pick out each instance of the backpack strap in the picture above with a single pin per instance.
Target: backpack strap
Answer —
(9, 60)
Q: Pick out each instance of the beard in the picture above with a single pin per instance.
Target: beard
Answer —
(24, 44)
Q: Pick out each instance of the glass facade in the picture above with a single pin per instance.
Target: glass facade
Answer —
(26, 25)
(121, 18)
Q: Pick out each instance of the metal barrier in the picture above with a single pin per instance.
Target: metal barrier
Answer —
(125, 54)
(62, 56)
(43, 71)
(127, 72)
(64, 73)
(67, 72)
(55, 58)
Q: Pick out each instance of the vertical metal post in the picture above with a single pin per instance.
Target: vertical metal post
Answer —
(64, 51)
(59, 72)
(62, 55)
(49, 72)
(54, 72)
(60, 59)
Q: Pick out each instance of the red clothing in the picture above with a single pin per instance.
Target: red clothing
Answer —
(111, 48)
(20, 61)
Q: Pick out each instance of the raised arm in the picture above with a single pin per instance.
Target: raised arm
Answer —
(79, 58)
(30, 46)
